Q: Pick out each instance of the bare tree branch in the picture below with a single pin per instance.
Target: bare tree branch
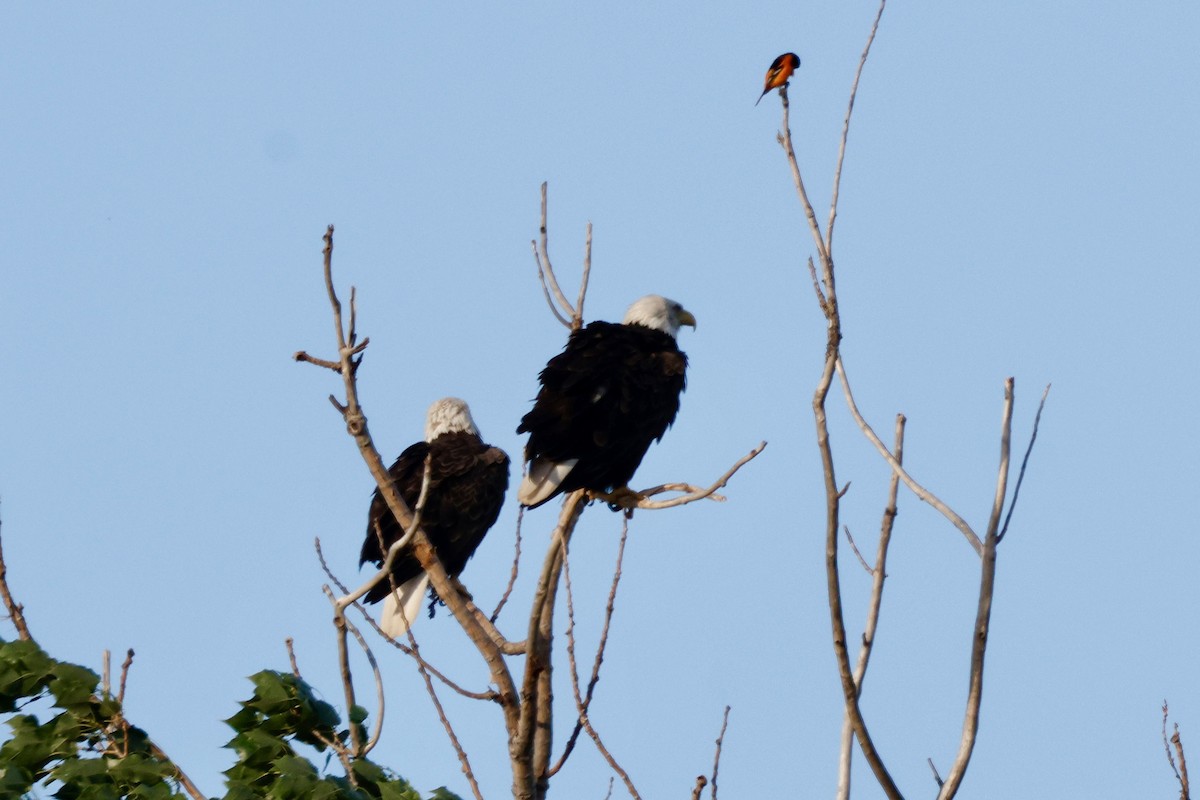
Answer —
(987, 582)
(850, 540)
(1037, 419)
(1180, 771)
(16, 611)
(529, 746)
(125, 665)
(920, 491)
(463, 760)
(717, 756)
(837, 175)
(356, 426)
(549, 281)
(937, 778)
(582, 703)
(630, 500)
(516, 566)
(577, 322)
(879, 573)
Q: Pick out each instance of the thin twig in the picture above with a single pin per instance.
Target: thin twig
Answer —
(516, 567)
(579, 701)
(289, 643)
(105, 673)
(933, 769)
(1167, 745)
(854, 547)
(302, 356)
(125, 665)
(698, 789)
(1037, 419)
(639, 499)
(920, 491)
(577, 320)
(785, 141)
(837, 174)
(583, 703)
(458, 748)
(16, 611)
(717, 756)
(612, 762)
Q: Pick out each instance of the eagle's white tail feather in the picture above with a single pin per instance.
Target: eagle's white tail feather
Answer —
(411, 594)
(543, 480)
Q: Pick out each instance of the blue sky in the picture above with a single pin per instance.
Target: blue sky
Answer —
(1019, 198)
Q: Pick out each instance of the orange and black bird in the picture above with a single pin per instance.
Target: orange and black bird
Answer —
(777, 75)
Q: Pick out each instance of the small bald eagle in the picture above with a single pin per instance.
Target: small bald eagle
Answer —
(612, 391)
(468, 480)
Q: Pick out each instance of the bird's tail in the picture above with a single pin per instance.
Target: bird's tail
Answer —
(407, 598)
(542, 481)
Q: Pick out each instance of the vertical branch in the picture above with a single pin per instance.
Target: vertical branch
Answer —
(16, 611)
(829, 307)
(516, 568)
(547, 277)
(983, 615)
(1181, 773)
(529, 742)
(879, 574)
(785, 141)
(717, 756)
(577, 321)
(837, 175)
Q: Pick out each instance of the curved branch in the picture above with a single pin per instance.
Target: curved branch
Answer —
(920, 491)
(547, 277)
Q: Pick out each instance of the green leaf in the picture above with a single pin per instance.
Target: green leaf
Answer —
(72, 684)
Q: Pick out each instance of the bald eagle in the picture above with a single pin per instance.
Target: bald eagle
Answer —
(612, 391)
(468, 480)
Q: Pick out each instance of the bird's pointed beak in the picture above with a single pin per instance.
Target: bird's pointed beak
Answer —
(686, 318)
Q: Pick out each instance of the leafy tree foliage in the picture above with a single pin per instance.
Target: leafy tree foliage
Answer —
(70, 740)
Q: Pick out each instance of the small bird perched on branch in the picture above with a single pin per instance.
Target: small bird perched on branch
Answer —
(778, 73)
(611, 392)
(468, 480)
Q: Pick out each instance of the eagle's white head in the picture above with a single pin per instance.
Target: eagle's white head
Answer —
(659, 313)
(448, 415)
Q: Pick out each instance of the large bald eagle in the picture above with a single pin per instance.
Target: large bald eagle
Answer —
(612, 391)
(468, 480)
